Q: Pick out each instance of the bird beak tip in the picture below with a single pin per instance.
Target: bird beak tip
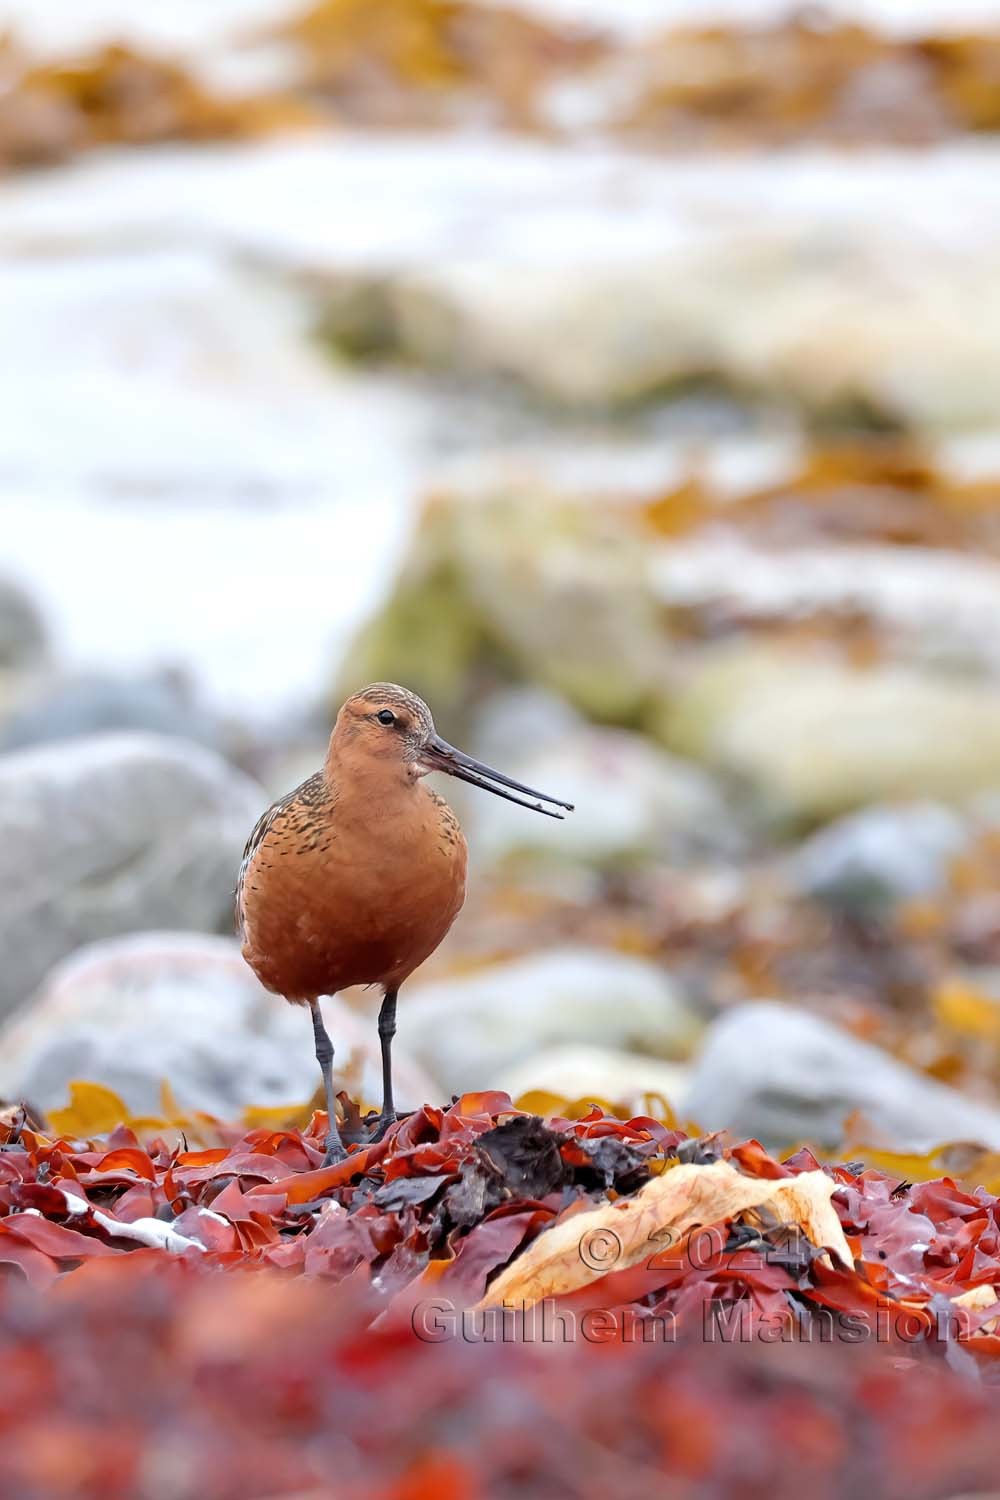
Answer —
(440, 756)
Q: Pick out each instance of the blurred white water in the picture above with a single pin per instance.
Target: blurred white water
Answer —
(184, 482)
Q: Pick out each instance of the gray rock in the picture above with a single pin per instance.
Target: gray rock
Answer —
(184, 1007)
(518, 716)
(872, 859)
(466, 1030)
(632, 800)
(22, 629)
(113, 834)
(783, 1075)
(63, 706)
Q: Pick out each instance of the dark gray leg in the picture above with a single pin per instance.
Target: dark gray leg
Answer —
(386, 1032)
(324, 1056)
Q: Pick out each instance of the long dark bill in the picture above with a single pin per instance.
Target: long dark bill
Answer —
(438, 755)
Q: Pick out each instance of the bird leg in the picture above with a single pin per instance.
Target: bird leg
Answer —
(386, 1032)
(324, 1056)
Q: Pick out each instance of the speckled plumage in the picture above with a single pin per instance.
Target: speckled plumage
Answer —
(296, 810)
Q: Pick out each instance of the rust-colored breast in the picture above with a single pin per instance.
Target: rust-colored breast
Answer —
(336, 891)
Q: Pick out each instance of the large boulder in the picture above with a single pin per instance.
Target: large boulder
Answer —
(467, 1029)
(57, 705)
(185, 1008)
(814, 737)
(113, 834)
(786, 1076)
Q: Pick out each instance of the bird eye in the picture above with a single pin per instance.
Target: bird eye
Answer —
(386, 716)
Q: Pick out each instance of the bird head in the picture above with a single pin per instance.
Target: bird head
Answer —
(390, 725)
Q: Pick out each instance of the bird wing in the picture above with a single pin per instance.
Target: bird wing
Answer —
(310, 791)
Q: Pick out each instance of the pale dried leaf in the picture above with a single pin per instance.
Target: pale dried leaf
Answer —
(977, 1297)
(581, 1249)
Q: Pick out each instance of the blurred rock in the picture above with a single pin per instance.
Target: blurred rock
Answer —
(513, 587)
(785, 1076)
(134, 1011)
(592, 279)
(632, 801)
(112, 834)
(814, 737)
(870, 860)
(524, 717)
(792, 308)
(465, 1029)
(65, 705)
(581, 1072)
(937, 601)
(22, 629)
(279, 768)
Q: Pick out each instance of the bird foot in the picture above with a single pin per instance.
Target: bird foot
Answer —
(381, 1125)
(334, 1151)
